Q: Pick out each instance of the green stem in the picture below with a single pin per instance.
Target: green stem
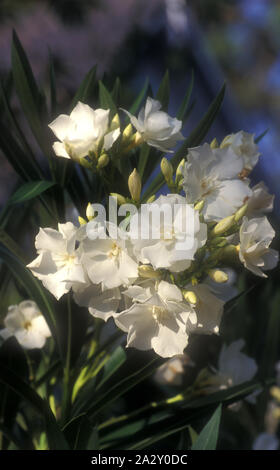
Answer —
(66, 399)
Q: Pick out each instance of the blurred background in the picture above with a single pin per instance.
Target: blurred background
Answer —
(236, 41)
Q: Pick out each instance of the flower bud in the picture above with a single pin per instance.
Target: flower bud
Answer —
(90, 212)
(240, 213)
(214, 144)
(199, 206)
(148, 272)
(103, 161)
(225, 142)
(179, 171)
(224, 225)
(189, 296)
(218, 276)
(82, 221)
(151, 199)
(167, 170)
(135, 185)
(115, 123)
(120, 199)
(275, 393)
(127, 133)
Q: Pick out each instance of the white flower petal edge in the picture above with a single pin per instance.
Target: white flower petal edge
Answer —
(27, 324)
(82, 131)
(162, 322)
(255, 238)
(243, 145)
(173, 237)
(100, 303)
(58, 263)
(156, 127)
(211, 175)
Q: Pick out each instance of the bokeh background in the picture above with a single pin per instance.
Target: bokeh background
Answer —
(237, 41)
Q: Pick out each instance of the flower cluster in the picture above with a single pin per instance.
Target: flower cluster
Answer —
(163, 272)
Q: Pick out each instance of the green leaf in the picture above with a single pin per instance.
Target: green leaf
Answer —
(106, 100)
(164, 91)
(81, 434)
(194, 139)
(112, 365)
(15, 383)
(27, 91)
(193, 434)
(259, 138)
(29, 161)
(103, 399)
(143, 158)
(207, 439)
(136, 104)
(116, 92)
(85, 91)
(185, 103)
(30, 190)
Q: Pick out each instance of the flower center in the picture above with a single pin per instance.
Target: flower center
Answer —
(159, 313)
(27, 325)
(115, 251)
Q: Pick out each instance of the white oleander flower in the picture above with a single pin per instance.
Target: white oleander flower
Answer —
(244, 145)
(260, 202)
(27, 324)
(159, 318)
(58, 263)
(167, 233)
(254, 252)
(172, 371)
(225, 290)
(156, 127)
(211, 175)
(82, 131)
(107, 260)
(266, 441)
(208, 308)
(234, 368)
(100, 303)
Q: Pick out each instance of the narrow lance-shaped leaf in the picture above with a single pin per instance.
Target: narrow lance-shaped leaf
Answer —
(15, 383)
(164, 91)
(28, 92)
(184, 106)
(207, 439)
(29, 191)
(85, 91)
(106, 100)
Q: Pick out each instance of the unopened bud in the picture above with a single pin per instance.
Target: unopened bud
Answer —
(179, 171)
(167, 170)
(103, 161)
(115, 123)
(214, 144)
(148, 272)
(240, 213)
(82, 221)
(90, 212)
(275, 393)
(120, 199)
(135, 185)
(226, 142)
(127, 132)
(218, 276)
(151, 199)
(189, 296)
(224, 225)
(199, 206)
